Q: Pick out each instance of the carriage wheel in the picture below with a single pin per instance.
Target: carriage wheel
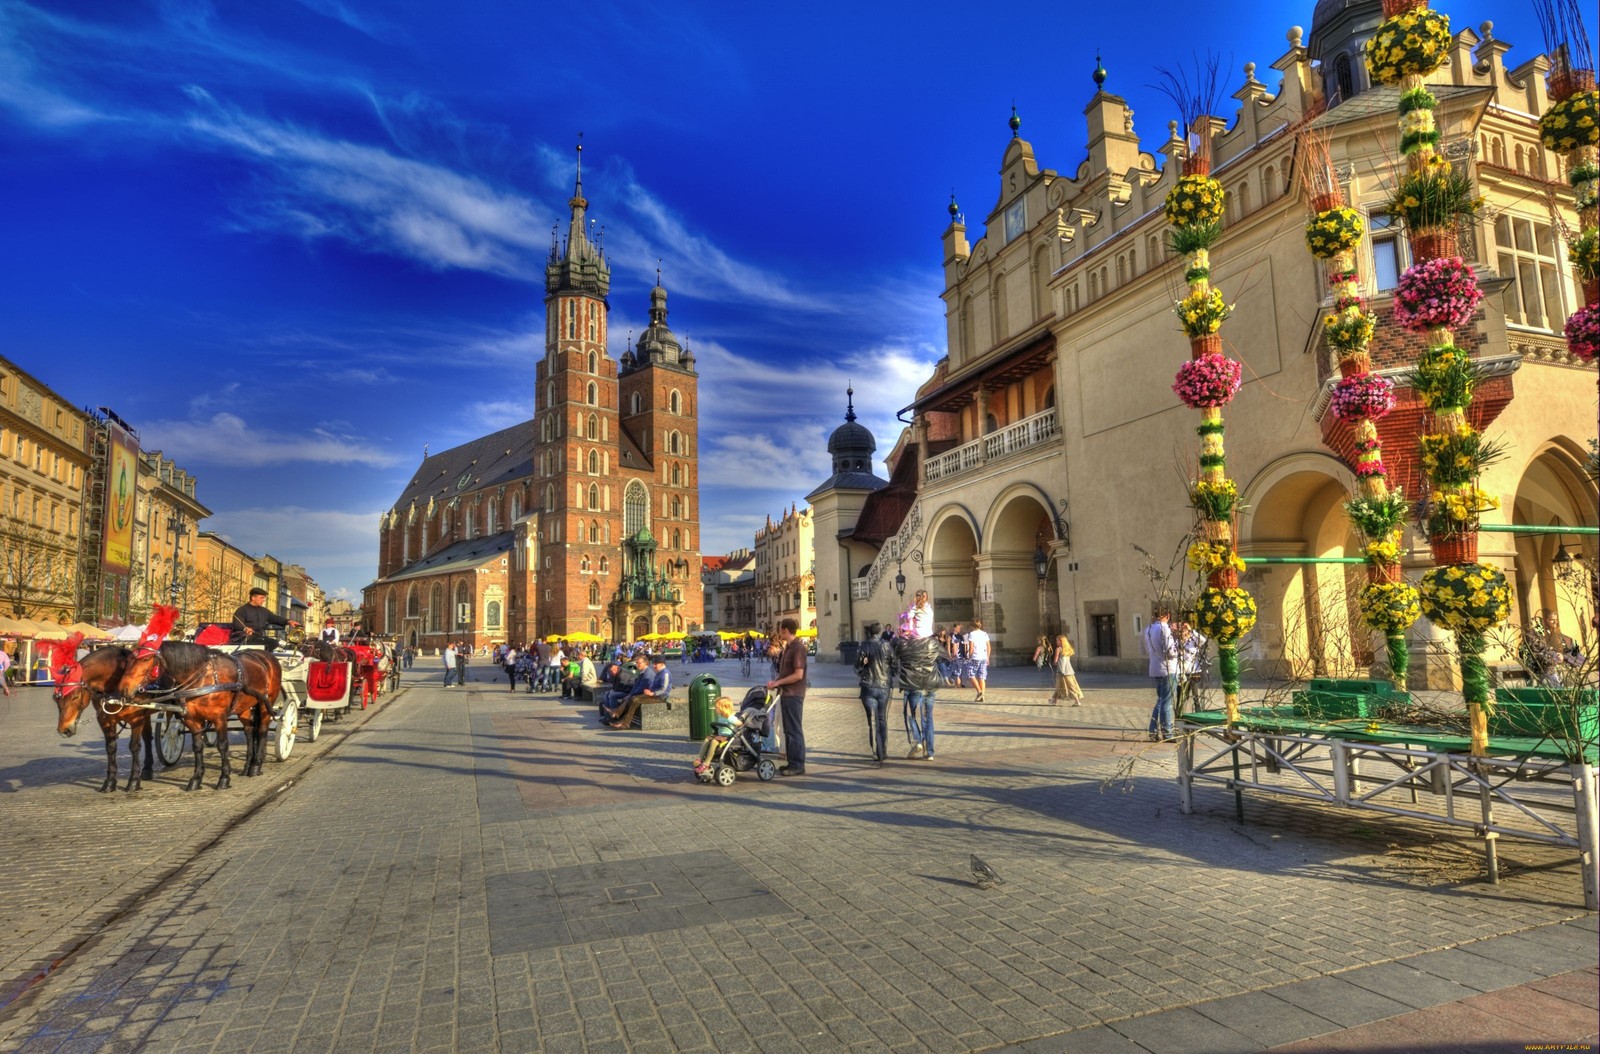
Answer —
(286, 723)
(316, 723)
(169, 739)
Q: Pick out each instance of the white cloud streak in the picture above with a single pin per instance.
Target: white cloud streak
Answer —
(226, 439)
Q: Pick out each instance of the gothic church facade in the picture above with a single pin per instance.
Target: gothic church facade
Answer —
(583, 520)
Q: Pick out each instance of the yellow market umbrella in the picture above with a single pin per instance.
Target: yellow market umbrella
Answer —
(585, 637)
(650, 636)
(809, 631)
(89, 632)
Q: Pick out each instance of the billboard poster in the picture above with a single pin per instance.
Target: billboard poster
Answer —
(122, 473)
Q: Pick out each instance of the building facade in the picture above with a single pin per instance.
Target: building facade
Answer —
(1042, 484)
(585, 519)
(164, 537)
(44, 461)
(785, 578)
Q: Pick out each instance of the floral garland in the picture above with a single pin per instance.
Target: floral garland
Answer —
(1196, 201)
(1334, 231)
(1363, 395)
(1390, 606)
(1369, 454)
(1436, 294)
(1572, 123)
(1584, 252)
(1209, 382)
(1583, 332)
(1214, 501)
(1350, 326)
(1444, 378)
(1225, 615)
(1466, 598)
(1411, 44)
(1210, 557)
(1202, 312)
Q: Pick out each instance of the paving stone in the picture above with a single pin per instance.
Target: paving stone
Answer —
(1339, 1001)
(372, 926)
(1265, 1018)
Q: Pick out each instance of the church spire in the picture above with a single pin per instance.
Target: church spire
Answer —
(581, 268)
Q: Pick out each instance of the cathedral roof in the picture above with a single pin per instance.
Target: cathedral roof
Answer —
(500, 457)
(458, 556)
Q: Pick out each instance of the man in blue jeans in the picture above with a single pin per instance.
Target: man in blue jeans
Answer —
(875, 669)
(790, 683)
(1162, 651)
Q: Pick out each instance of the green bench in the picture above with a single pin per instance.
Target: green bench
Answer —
(1557, 713)
(1341, 699)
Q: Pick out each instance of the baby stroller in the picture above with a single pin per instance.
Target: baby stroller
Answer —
(741, 751)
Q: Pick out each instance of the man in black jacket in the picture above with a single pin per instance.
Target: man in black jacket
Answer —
(252, 619)
(876, 669)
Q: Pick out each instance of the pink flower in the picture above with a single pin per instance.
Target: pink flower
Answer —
(1583, 332)
(1438, 294)
(1366, 395)
(1208, 382)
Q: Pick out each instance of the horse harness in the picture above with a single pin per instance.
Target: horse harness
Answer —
(169, 701)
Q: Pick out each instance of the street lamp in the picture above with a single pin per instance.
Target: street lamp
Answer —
(900, 583)
(177, 529)
(1041, 563)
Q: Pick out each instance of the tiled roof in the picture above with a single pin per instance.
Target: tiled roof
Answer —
(458, 556)
(505, 456)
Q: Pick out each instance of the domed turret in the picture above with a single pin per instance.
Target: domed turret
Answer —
(851, 444)
(1339, 29)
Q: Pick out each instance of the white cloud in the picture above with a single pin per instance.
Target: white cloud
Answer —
(227, 439)
(338, 548)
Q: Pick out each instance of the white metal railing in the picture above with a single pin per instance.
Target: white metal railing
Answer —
(894, 549)
(1014, 438)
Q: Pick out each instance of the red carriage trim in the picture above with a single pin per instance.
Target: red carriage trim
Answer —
(213, 635)
(328, 682)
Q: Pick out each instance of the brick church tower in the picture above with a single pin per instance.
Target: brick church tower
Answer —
(615, 472)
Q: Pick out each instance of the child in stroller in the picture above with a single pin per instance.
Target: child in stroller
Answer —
(735, 742)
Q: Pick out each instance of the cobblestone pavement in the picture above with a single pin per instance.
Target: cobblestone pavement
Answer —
(474, 869)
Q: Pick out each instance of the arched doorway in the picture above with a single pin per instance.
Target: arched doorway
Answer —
(1554, 490)
(949, 565)
(1019, 524)
(1310, 616)
(641, 626)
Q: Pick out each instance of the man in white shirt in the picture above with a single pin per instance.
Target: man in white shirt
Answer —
(1163, 653)
(978, 657)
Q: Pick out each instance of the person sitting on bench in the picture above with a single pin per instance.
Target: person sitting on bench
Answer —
(657, 683)
(624, 687)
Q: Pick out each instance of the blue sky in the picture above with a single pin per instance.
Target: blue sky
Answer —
(293, 242)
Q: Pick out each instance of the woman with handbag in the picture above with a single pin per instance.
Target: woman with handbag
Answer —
(1066, 679)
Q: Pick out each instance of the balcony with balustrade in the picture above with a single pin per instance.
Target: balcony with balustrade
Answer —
(1028, 434)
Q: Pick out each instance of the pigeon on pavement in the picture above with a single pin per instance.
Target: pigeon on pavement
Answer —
(984, 875)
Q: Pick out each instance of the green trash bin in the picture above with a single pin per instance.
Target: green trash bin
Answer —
(703, 694)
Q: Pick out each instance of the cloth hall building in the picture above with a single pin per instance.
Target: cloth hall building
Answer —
(1047, 453)
(584, 519)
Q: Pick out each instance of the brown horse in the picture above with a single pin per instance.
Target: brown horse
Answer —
(93, 680)
(210, 687)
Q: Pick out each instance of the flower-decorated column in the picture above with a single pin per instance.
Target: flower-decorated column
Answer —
(1435, 296)
(1360, 399)
(1571, 128)
(1208, 382)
